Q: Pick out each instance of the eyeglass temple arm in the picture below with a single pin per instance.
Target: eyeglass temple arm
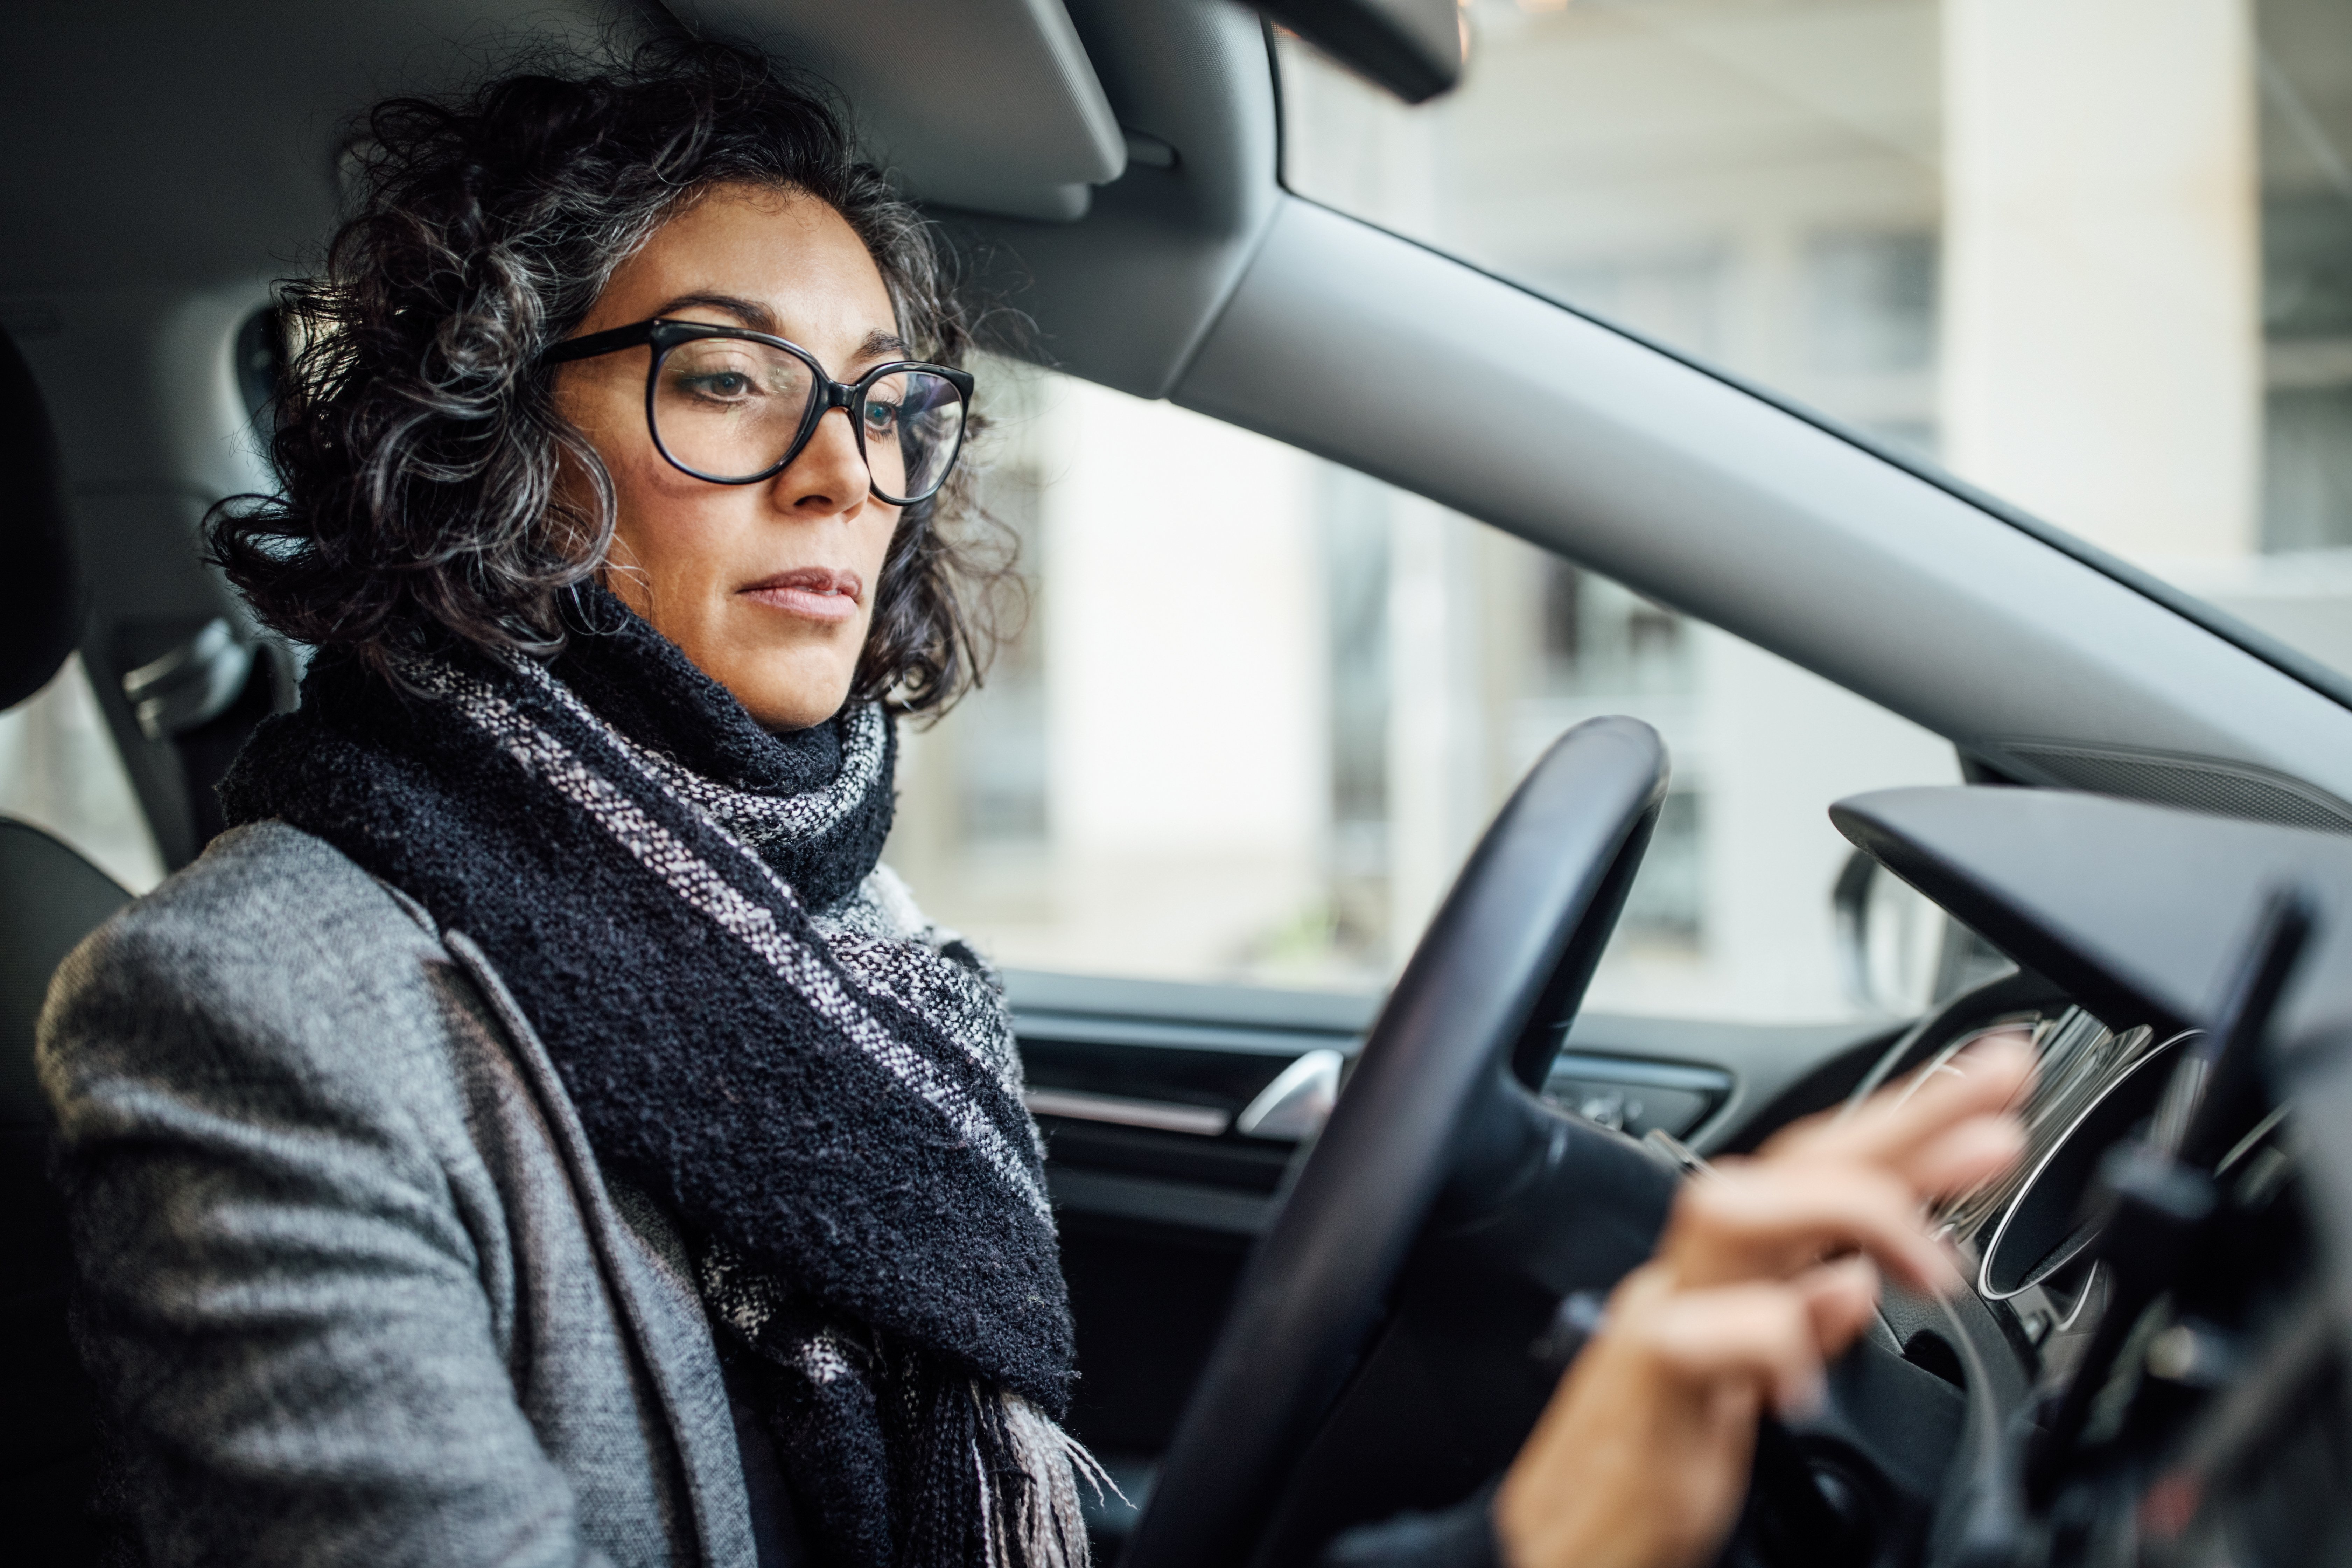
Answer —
(596, 343)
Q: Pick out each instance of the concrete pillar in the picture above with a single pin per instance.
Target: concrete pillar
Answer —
(1184, 689)
(2102, 350)
(1438, 749)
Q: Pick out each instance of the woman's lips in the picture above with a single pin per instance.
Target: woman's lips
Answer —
(817, 593)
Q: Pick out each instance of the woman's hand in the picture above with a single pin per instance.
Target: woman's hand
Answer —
(1768, 1269)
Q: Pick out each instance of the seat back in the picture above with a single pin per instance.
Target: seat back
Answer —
(50, 897)
(49, 601)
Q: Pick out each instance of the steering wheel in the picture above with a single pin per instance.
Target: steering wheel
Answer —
(1438, 1158)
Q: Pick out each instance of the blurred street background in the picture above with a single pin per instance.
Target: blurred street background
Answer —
(2092, 255)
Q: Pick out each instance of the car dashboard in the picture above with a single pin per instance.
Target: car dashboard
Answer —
(2157, 1393)
(1173, 1122)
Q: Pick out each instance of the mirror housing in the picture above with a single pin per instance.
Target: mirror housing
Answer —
(1416, 48)
(1900, 955)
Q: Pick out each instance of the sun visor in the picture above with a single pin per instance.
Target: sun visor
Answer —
(987, 105)
(2137, 911)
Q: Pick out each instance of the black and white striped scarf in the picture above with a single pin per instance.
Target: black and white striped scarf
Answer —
(759, 1028)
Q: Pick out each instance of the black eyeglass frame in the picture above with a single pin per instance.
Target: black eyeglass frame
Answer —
(665, 335)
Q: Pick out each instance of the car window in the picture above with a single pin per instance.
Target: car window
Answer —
(2097, 259)
(1263, 706)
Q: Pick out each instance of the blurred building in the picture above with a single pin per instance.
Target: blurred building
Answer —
(2095, 255)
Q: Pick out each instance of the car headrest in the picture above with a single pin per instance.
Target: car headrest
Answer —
(44, 618)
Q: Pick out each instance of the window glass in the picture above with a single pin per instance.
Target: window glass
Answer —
(2092, 255)
(1263, 706)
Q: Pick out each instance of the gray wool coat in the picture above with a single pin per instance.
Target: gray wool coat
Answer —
(352, 1288)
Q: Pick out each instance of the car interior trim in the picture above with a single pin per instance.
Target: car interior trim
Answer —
(1042, 995)
(2060, 880)
(1083, 1029)
(988, 105)
(1296, 1104)
(2280, 656)
(1728, 507)
(1161, 1115)
(1646, 1074)
(1187, 1205)
(2203, 783)
(1125, 295)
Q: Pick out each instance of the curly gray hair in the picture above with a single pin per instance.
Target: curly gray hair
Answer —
(415, 439)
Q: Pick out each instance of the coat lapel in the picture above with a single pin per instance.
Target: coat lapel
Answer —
(645, 1268)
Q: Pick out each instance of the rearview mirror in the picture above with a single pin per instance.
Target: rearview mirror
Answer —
(1412, 47)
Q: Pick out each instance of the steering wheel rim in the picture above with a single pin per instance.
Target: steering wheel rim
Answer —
(1478, 1010)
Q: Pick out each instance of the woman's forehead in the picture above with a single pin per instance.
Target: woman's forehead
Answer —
(776, 261)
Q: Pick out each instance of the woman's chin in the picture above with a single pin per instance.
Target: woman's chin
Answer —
(791, 700)
(786, 682)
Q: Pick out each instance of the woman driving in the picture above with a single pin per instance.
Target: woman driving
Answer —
(542, 1132)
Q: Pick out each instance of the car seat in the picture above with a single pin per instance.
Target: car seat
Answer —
(50, 897)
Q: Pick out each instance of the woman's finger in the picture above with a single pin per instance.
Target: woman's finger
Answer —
(1762, 1334)
(1842, 1296)
(1642, 1457)
(1894, 1123)
(1775, 1220)
(1963, 1156)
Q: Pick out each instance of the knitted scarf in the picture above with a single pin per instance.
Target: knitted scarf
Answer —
(759, 1030)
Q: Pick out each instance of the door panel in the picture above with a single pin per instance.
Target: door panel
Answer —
(1140, 1088)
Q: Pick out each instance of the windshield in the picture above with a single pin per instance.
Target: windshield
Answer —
(2095, 257)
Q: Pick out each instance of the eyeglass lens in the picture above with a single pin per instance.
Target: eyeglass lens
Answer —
(730, 409)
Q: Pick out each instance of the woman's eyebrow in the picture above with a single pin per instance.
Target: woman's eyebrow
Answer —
(878, 344)
(750, 312)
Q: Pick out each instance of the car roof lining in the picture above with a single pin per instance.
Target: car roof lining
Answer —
(226, 171)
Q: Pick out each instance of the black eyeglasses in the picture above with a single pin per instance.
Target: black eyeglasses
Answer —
(736, 407)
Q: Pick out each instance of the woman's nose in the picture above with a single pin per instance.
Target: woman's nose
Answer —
(830, 475)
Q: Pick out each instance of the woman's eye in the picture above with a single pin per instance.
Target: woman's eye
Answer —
(881, 417)
(727, 386)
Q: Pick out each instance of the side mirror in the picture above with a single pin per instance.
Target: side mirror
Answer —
(1901, 953)
(1414, 48)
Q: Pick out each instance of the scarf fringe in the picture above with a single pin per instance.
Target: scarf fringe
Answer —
(1030, 1515)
